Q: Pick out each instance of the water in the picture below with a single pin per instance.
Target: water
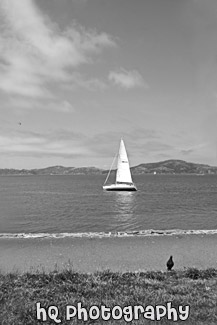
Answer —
(77, 205)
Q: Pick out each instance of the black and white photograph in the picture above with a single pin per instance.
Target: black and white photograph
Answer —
(108, 162)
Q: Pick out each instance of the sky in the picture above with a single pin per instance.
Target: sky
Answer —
(76, 76)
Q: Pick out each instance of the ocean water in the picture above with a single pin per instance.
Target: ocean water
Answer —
(64, 206)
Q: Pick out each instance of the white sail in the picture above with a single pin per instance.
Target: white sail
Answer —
(123, 175)
(123, 169)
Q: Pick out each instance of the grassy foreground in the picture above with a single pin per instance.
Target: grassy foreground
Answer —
(19, 294)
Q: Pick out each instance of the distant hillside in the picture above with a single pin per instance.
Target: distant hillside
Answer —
(163, 167)
(173, 167)
(54, 170)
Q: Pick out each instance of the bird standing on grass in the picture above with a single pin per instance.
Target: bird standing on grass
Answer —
(170, 263)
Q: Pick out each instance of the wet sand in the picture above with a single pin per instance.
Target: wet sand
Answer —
(116, 254)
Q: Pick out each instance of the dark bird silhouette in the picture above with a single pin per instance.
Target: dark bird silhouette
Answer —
(170, 263)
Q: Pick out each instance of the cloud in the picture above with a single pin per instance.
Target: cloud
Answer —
(187, 152)
(80, 81)
(66, 107)
(61, 143)
(193, 149)
(66, 144)
(34, 52)
(127, 79)
(106, 144)
(58, 106)
(154, 146)
(18, 102)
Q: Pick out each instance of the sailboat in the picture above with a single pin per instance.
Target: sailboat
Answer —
(123, 175)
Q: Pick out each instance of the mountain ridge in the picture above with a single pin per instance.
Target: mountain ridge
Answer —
(171, 166)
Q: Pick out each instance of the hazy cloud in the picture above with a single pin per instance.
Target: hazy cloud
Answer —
(58, 106)
(193, 148)
(106, 144)
(18, 102)
(33, 51)
(80, 81)
(61, 143)
(152, 146)
(187, 152)
(127, 79)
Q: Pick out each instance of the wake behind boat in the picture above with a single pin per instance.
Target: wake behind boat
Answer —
(123, 175)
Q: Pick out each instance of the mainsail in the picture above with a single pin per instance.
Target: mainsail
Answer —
(123, 169)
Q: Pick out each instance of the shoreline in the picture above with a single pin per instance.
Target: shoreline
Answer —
(113, 253)
(110, 234)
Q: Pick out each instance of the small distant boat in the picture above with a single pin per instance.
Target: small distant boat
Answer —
(123, 175)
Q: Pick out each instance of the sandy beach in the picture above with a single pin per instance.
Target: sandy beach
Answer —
(116, 254)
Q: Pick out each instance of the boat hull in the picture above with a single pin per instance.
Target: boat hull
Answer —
(120, 187)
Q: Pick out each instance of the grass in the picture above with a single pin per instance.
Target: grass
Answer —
(19, 294)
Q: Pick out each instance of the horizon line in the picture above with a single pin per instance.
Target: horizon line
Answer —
(161, 161)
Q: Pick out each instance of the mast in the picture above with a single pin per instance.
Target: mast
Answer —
(110, 169)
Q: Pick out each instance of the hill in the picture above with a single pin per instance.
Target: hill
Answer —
(163, 167)
(54, 170)
(173, 167)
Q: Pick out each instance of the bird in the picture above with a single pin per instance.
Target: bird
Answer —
(170, 263)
